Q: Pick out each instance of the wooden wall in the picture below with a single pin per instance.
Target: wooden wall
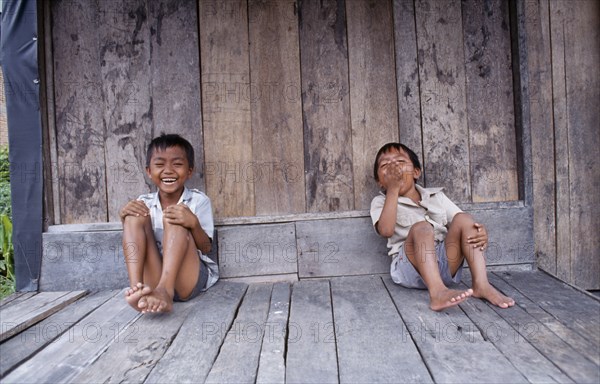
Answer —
(286, 103)
(564, 86)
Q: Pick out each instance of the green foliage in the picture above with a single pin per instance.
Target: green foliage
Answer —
(7, 265)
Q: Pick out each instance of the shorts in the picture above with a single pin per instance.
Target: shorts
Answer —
(200, 284)
(404, 273)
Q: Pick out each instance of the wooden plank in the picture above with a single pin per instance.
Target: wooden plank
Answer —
(536, 367)
(131, 358)
(225, 76)
(33, 339)
(407, 76)
(460, 337)
(326, 106)
(271, 366)
(490, 101)
(443, 101)
(19, 317)
(561, 150)
(15, 298)
(79, 172)
(257, 250)
(124, 50)
(575, 310)
(372, 340)
(94, 261)
(582, 53)
(201, 335)
(277, 147)
(373, 94)
(238, 357)
(542, 138)
(311, 350)
(568, 359)
(62, 360)
(353, 248)
(175, 75)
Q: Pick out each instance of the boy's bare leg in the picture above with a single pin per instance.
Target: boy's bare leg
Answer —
(457, 248)
(420, 250)
(180, 269)
(141, 258)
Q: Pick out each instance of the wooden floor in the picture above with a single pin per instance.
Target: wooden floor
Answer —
(349, 330)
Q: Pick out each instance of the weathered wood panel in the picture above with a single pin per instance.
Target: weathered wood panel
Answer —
(63, 359)
(21, 316)
(326, 106)
(372, 339)
(542, 138)
(201, 335)
(275, 97)
(373, 100)
(80, 169)
(462, 338)
(28, 342)
(581, 30)
(311, 349)
(271, 365)
(407, 76)
(443, 98)
(257, 250)
(240, 352)
(352, 248)
(490, 101)
(226, 107)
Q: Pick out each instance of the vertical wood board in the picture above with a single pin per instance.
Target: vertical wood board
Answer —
(226, 107)
(490, 101)
(326, 106)
(443, 99)
(276, 105)
(373, 95)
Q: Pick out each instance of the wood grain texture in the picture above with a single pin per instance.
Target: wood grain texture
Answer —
(79, 171)
(226, 106)
(240, 352)
(407, 76)
(23, 315)
(326, 106)
(371, 336)
(462, 340)
(443, 98)
(373, 99)
(275, 96)
(311, 354)
(201, 335)
(490, 101)
(542, 138)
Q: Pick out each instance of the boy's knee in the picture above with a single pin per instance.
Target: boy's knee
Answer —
(422, 228)
(130, 221)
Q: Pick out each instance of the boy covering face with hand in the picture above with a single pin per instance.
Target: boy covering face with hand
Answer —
(429, 237)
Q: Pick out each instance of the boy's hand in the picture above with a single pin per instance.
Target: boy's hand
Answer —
(392, 175)
(180, 214)
(480, 239)
(134, 208)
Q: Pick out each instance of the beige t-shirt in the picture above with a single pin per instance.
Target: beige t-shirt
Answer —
(435, 207)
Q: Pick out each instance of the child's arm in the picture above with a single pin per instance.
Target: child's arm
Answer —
(181, 214)
(392, 176)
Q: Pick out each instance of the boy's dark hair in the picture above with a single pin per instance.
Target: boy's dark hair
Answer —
(165, 141)
(397, 146)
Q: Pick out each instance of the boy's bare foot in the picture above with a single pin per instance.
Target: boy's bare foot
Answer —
(492, 295)
(447, 298)
(134, 294)
(159, 300)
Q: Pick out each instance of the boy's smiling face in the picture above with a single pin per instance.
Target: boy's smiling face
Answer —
(395, 169)
(169, 169)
